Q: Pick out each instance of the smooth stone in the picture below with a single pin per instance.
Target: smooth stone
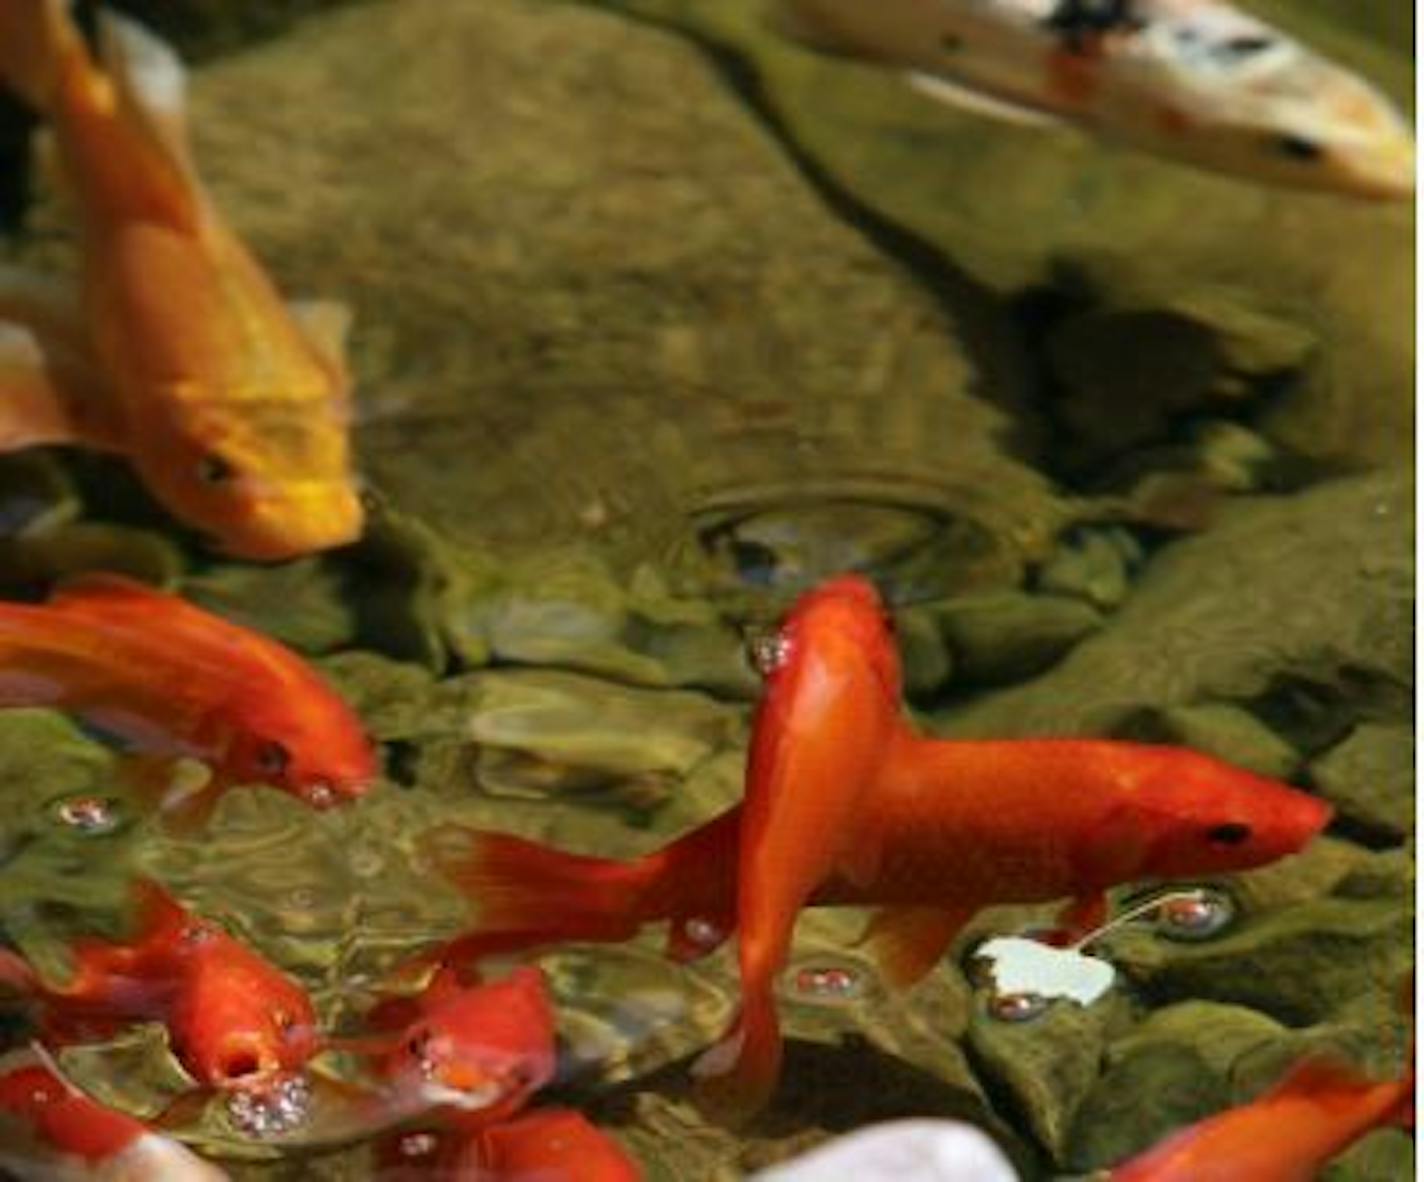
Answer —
(1012, 635)
(1369, 777)
(1225, 731)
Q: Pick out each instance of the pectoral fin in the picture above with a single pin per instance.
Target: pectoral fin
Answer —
(907, 942)
(51, 394)
(977, 102)
(326, 324)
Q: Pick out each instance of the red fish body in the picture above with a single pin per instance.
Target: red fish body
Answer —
(1286, 1135)
(472, 1053)
(176, 681)
(550, 1145)
(933, 830)
(178, 351)
(234, 1020)
(49, 1129)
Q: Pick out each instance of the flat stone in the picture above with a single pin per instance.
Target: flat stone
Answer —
(1369, 777)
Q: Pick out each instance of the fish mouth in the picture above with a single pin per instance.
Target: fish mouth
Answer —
(243, 1063)
(297, 519)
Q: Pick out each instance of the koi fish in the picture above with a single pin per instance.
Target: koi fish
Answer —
(469, 1051)
(178, 353)
(1197, 81)
(1316, 1111)
(928, 830)
(55, 1133)
(175, 681)
(234, 1020)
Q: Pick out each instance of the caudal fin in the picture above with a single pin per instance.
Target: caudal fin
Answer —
(525, 894)
(736, 1078)
(34, 35)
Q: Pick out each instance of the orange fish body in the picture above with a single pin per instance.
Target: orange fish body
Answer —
(234, 413)
(174, 680)
(233, 1018)
(1286, 1135)
(47, 1124)
(824, 721)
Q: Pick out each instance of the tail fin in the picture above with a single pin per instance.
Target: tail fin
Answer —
(736, 1078)
(34, 35)
(527, 894)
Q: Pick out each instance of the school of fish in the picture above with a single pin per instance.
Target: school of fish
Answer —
(175, 351)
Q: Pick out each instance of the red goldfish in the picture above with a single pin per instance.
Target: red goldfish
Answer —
(1286, 1135)
(234, 1020)
(179, 352)
(51, 1130)
(550, 1145)
(471, 1051)
(930, 830)
(176, 681)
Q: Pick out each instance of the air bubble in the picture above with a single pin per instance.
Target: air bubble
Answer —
(418, 1144)
(833, 982)
(769, 652)
(703, 932)
(320, 796)
(1197, 916)
(1017, 1007)
(272, 1110)
(89, 814)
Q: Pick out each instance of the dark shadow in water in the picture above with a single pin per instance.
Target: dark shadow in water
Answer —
(834, 1088)
(989, 334)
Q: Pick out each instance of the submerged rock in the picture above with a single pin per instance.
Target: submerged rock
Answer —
(1369, 777)
(607, 236)
(1314, 591)
(300, 603)
(1012, 635)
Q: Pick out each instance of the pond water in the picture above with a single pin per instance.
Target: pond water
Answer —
(660, 318)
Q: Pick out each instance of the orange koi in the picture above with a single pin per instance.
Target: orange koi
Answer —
(174, 681)
(234, 1020)
(179, 353)
(1287, 1135)
(868, 813)
(53, 1130)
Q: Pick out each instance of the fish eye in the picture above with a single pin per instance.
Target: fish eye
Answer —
(1247, 45)
(272, 758)
(1297, 147)
(213, 469)
(1232, 833)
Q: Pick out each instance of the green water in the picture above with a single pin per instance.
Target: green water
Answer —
(658, 320)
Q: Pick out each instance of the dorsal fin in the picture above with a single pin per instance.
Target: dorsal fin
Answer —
(1319, 1075)
(151, 85)
(101, 587)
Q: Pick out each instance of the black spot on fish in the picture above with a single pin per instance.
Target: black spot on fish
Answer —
(1297, 147)
(1232, 833)
(1079, 23)
(951, 42)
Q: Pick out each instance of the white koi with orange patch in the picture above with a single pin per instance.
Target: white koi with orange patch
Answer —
(1194, 80)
